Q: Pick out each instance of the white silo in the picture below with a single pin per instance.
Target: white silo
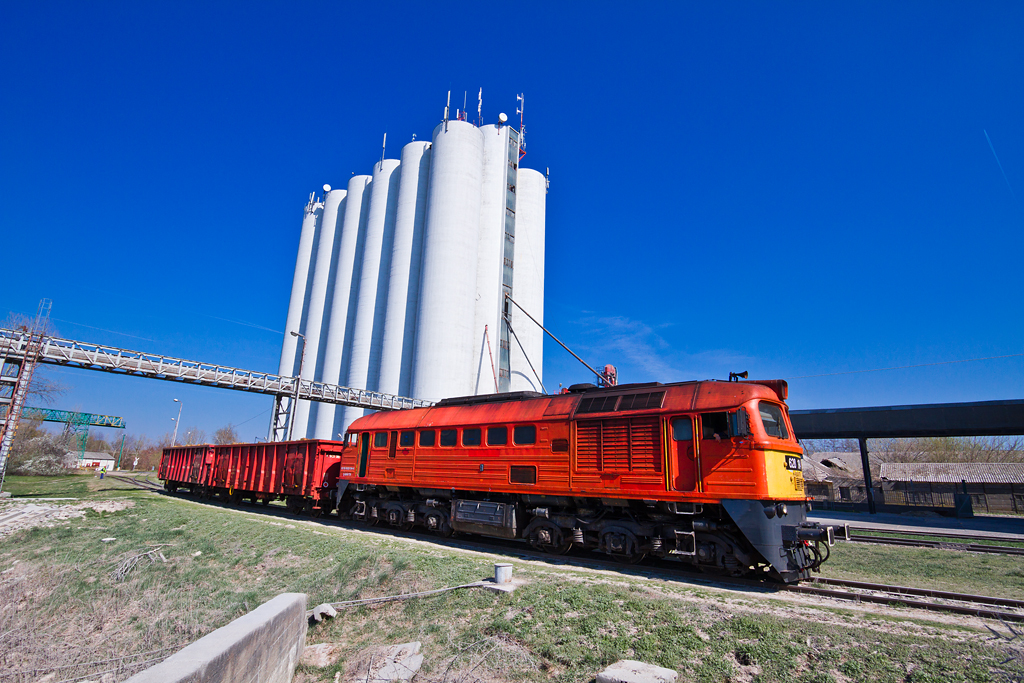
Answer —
(531, 198)
(323, 281)
(490, 254)
(404, 281)
(299, 301)
(443, 353)
(343, 303)
(368, 324)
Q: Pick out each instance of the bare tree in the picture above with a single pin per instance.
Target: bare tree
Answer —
(226, 434)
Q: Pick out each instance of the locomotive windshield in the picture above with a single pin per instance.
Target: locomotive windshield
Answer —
(771, 418)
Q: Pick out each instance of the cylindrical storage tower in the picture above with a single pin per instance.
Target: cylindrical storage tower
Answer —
(443, 353)
(531, 197)
(489, 258)
(323, 282)
(299, 301)
(343, 303)
(404, 281)
(368, 325)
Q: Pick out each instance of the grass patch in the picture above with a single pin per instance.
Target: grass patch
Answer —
(961, 572)
(60, 606)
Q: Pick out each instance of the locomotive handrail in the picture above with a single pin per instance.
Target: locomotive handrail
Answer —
(89, 356)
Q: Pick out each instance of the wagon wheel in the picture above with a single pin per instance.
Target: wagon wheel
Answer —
(265, 501)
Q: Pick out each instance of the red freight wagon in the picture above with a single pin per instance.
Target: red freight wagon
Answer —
(186, 465)
(297, 471)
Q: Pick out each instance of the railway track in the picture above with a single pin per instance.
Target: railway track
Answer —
(937, 540)
(986, 607)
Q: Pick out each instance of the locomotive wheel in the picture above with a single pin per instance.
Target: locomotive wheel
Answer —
(550, 539)
(437, 524)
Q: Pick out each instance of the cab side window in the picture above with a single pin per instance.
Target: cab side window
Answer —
(380, 440)
(682, 429)
(427, 438)
(449, 437)
(407, 439)
(771, 418)
(471, 437)
(714, 426)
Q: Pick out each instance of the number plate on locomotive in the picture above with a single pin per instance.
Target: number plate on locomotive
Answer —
(794, 463)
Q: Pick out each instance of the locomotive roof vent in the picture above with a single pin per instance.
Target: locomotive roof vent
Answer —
(489, 398)
(581, 387)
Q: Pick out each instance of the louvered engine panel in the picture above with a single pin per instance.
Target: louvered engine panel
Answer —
(645, 445)
(588, 446)
(615, 445)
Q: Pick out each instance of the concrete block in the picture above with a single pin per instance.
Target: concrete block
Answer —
(262, 646)
(631, 671)
(320, 611)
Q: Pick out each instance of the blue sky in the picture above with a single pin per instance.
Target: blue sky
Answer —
(792, 189)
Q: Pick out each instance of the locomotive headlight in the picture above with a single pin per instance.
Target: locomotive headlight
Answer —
(782, 509)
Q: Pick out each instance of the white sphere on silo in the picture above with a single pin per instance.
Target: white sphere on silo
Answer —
(528, 288)
(368, 325)
(404, 280)
(299, 301)
(342, 304)
(444, 338)
(323, 281)
(490, 257)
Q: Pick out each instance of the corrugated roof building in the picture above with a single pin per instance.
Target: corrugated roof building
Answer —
(993, 487)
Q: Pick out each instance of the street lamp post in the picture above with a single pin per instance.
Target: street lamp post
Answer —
(298, 381)
(174, 439)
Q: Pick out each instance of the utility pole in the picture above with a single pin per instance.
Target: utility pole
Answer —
(298, 380)
(174, 439)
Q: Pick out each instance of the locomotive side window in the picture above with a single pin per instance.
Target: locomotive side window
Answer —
(471, 437)
(427, 438)
(682, 429)
(771, 418)
(449, 437)
(714, 426)
(524, 435)
(497, 436)
(380, 440)
(560, 445)
(407, 439)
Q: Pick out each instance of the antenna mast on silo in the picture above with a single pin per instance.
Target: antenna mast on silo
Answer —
(447, 106)
(522, 129)
(480, 108)
(383, 149)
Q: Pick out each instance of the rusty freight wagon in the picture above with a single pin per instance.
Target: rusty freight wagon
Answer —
(298, 472)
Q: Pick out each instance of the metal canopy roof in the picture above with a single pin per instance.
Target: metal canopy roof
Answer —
(954, 472)
(981, 418)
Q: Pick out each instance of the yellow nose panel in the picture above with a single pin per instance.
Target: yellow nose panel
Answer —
(784, 475)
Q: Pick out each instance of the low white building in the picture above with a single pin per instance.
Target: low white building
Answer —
(92, 460)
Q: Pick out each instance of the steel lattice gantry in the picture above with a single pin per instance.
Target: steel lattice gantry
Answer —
(76, 425)
(88, 356)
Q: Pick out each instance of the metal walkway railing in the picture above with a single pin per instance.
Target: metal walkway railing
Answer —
(78, 354)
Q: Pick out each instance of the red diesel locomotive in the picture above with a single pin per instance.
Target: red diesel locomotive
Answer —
(708, 473)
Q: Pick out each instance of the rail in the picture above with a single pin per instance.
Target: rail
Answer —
(89, 356)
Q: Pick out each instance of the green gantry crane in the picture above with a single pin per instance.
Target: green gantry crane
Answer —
(76, 425)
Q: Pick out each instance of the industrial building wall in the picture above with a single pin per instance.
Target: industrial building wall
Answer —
(398, 275)
(323, 281)
(531, 198)
(404, 279)
(489, 258)
(368, 325)
(447, 310)
(343, 302)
